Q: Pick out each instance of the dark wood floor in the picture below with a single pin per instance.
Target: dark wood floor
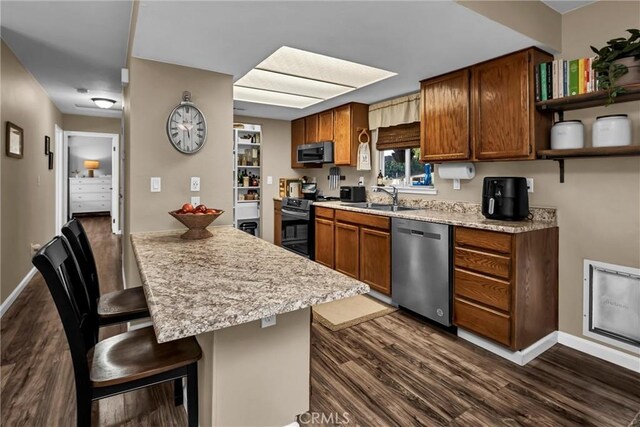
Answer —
(391, 371)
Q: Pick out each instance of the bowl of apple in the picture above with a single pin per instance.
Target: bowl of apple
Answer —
(196, 219)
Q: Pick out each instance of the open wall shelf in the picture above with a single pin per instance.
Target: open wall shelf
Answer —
(588, 100)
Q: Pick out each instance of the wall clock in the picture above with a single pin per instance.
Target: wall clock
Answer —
(186, 126)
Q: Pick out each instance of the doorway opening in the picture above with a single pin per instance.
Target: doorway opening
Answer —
(88, 176)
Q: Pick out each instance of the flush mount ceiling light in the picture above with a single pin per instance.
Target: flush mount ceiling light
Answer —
(297, 78)
(104, 102)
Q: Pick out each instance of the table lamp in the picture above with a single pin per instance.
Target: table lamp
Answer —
(90, 165)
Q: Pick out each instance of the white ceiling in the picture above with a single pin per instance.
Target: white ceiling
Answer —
(71, 44)
(564, 6)
(417, 40)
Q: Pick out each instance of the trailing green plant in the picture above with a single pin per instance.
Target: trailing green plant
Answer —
(608, 70)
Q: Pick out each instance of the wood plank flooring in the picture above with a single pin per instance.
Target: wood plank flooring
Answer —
(391, 371)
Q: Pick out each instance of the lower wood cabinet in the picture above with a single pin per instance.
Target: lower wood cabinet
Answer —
(506, 285)
(277, 223)
(355, 244)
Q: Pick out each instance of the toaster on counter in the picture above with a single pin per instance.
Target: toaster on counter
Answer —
(505, 198)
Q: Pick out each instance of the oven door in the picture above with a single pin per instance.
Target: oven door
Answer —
(297, 234)
(311, 153)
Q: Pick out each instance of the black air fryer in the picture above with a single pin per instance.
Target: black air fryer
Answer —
(505, 198)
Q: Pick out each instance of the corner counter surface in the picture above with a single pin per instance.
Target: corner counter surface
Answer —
(198, 286)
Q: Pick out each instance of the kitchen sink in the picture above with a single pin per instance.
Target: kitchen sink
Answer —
(378, 207)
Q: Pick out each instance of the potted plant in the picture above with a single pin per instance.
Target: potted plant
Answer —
(618, 64)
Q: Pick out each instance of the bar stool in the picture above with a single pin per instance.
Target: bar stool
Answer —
(119, 364)
(113, 307)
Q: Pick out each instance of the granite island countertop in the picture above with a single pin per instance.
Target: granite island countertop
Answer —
(198, 286)
(453, 215)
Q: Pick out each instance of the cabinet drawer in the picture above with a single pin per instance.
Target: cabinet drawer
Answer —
(89, 188)
(90, 197)
(494, 265)
(90, 206)
(483, 321)
(492, 292)
(324, 212)
(375, 221)
(483, 239)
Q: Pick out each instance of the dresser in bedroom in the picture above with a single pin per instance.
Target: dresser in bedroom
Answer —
(88, 195)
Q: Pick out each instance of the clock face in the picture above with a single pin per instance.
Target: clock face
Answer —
(187, 128)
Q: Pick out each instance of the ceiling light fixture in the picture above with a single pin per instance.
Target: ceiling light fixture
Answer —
(104, 102)
(298, 79)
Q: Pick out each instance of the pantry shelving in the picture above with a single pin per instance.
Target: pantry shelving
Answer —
(247, 178)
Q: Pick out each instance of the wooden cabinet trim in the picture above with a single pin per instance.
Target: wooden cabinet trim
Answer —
(375, 221)
(322, 212)
(483, 239)
(277, 223)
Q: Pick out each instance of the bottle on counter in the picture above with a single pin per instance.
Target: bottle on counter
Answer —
(380, 179)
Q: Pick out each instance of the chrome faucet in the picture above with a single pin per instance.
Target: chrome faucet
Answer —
(394, 195)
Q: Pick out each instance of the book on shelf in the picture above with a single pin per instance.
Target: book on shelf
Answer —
(561, 77)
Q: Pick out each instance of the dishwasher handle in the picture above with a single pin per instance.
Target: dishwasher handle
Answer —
(419, 233)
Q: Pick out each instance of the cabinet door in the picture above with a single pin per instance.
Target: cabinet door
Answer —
(347, 249)
(311, 129)
(444, 124)
(297, 138)
(325, 126)
(342, 135)
(277, 223)
(501, 108)
(324, 242)
(375, 259)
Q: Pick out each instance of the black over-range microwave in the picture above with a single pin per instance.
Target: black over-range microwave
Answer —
(319, 152)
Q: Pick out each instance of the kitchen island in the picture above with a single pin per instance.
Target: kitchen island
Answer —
(219, 290)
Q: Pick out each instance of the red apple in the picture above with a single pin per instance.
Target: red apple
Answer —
(187, 208)
(201, 208)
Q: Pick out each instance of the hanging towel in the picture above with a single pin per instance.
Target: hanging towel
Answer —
(364, 153)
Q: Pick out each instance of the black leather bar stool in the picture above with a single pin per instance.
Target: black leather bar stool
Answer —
(122, 363)
(113, 307)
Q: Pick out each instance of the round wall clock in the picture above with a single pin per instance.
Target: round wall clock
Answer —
(186, 126)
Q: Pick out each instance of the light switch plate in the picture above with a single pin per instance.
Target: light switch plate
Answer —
(269, 180)
(195, 183)
(268, 321)
(195, 200)
(156, 184)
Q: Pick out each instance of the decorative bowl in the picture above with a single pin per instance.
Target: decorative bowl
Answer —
(196, 223)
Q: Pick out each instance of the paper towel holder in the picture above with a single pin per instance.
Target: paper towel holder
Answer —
(456, 172)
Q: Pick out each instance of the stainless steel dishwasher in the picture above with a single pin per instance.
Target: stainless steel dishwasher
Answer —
(421, 268)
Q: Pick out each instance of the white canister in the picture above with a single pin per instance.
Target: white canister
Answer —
(567, 134)
(612, 131)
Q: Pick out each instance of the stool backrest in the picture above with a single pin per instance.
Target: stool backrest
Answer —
(77, 238)
(61, 272)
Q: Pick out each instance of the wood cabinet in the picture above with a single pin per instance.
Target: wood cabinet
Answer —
(297, 138)
(277, 223)
(311, 129)
(348, 121)
(444, 127)
(324, 237)
(325, 126)
(375, 259)
(347, 249)
(485, 112)
(506, 285)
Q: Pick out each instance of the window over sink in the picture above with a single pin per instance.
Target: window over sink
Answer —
(402, 169)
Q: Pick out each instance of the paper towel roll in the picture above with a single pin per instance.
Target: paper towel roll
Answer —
(456, 171)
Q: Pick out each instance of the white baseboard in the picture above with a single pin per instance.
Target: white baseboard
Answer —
(600, 351)
(14, 295)
(521, 357)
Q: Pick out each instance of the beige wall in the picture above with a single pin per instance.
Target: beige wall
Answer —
(90, 124)
(28, 186)
(276, 162)
(155, 88)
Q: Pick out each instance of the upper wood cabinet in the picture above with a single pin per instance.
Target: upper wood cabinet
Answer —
(444, 127)
(325, 126)
(297, 138)
(311, 129)
(485, 112)
(348, 121)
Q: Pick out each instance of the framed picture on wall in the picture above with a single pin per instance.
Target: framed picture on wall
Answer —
(50, 160)
(47, 145)
(14, 141)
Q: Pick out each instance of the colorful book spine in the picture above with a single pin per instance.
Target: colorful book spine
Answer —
(543, 81)
(536, 79)
(549, 80)
(581, 76)
(573, 77)
(560, 79)
(554, 79)
(565, 73)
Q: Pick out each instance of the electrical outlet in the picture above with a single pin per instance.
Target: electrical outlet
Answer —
(195, 183)
(530, 185)
(456, 184)
(195, 200)
(361, 181)
(268, 321)
(156, 184)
